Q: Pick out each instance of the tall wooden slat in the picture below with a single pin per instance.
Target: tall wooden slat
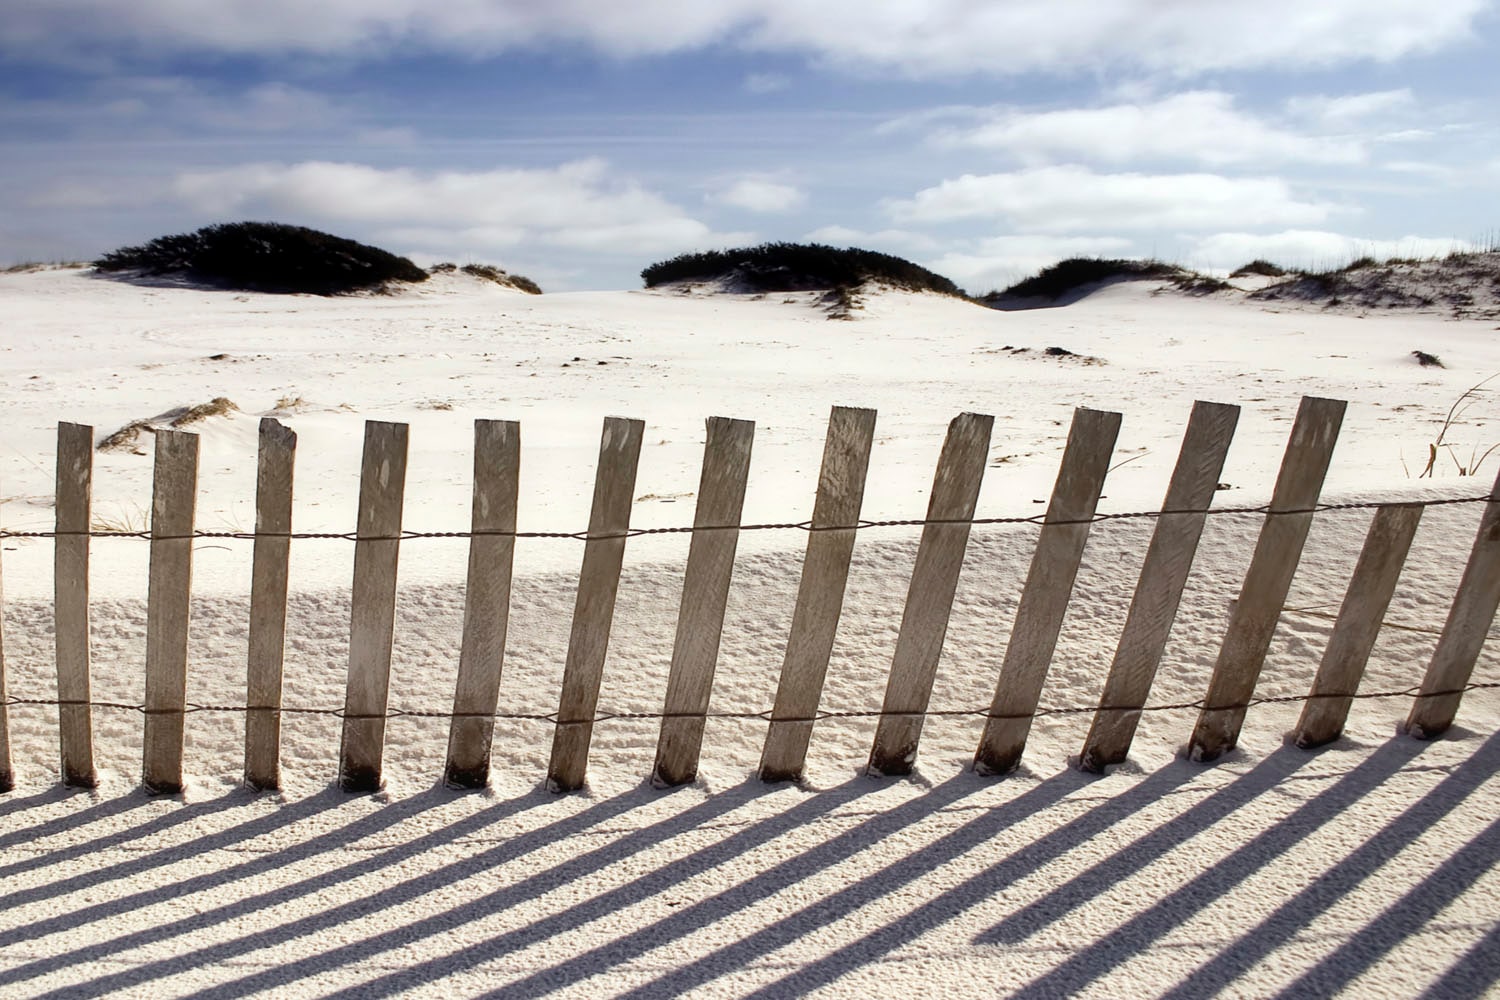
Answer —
(268, 587)
(7, 776)
(929, 597)
(1358, 624)
(1049, 585)
(372, 618)
(75, 485)
(705, 592)
(173, 497)
(497, 472)
(820, 596)
(594, 609)
(1464, 633)
(1269, 578)
(1158, 592)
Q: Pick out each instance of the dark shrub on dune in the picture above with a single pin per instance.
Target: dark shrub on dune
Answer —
(263, 257)
(1079, 272)
(792, 267)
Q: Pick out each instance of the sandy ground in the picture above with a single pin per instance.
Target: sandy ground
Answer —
(1364, 869)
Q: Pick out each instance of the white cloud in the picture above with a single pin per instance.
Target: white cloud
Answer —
(1200, 126)
(577, 205)
(932, 38)
(903, 242)
(758, 194)
(1350, 109)
(1312, 248)
(1074, 199)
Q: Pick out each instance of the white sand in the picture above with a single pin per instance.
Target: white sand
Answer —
(1366, 868)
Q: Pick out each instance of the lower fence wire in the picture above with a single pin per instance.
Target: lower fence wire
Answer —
(763, 716)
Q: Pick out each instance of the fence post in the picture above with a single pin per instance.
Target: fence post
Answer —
(1358, 624)
(1464, 633)
(7, 776)
(1169, 558)
(1049, 586)
(372, 618)
(70, 573)
(1277, 552)
(492, 546)
(173, 495)
(268, 587)
(705, 592)
(820, 595)
(594, 608)
(929, 597)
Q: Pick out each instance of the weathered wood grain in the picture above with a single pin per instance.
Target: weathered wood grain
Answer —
(268, 589)
(820, 595)
(929, 597)
(594, 609)
(1464, 632)
(492, 546)
(1358, 624)
(372, 619)
(70, 574)
(1169, 558)
(1277, 553)
(1049, 586)
(705, 592)
(173, 498)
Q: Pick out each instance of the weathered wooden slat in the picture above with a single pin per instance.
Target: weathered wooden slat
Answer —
(1158, 592)
(1049, 585)
(372, 619)
(7, 776)
(1358, 624)
(1252, 622)
(70, 573)
(820, 596)
(497, 471)
(594, 608)
(173, 498)
(268, 588)
(1464, 633)
(705, 592)
(929, 597)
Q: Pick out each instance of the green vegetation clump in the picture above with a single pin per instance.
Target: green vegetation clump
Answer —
(264, 257)
(490, 272)
(1078, 272)
(795, 267)
(1263, 268)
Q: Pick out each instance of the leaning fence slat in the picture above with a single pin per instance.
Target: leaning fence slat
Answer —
(705, 592)
(75, 476)
(372, 618)
(268, 587)
(1049, 586)
(820, 595)
(1358, 624)
(929, 597)
(173, 494)
(1158, 591)
(1252, 623)
(7, 777)
(1463, 635)
(594, 609)
(497, 470)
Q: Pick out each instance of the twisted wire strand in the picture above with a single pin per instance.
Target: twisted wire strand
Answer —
(808, 526)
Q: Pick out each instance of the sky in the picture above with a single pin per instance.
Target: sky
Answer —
(578, 141)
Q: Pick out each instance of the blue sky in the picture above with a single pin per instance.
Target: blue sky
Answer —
(577, 141)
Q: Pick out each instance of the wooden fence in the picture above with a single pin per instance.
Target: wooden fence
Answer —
(717, 524)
